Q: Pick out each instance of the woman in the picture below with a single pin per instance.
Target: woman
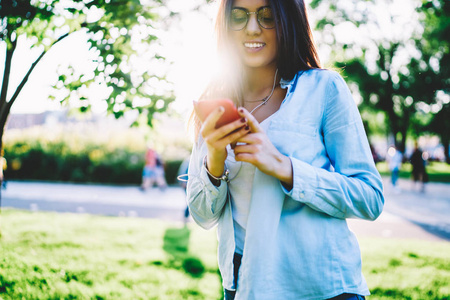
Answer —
(281, 181)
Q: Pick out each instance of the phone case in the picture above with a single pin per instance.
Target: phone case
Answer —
(204, 108)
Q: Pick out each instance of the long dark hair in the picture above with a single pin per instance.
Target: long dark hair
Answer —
(296, 48)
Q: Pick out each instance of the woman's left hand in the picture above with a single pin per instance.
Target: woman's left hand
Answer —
(256, 148)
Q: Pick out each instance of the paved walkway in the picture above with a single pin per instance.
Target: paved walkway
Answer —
(407, 214)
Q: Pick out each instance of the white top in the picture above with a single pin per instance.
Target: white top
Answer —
(241, 183)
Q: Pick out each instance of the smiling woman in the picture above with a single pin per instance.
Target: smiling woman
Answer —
(280, 181)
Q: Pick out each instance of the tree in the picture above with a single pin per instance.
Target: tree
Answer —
(435, 48)
(121, 34)
(379, 56)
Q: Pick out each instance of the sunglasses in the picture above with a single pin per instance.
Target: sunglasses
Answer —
(239, 18)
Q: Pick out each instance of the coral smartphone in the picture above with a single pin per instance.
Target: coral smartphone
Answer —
(204, 108)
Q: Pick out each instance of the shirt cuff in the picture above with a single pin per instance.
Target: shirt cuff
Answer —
(217, 193)
(304, 181)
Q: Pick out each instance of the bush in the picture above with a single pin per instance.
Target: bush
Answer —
(72, 157)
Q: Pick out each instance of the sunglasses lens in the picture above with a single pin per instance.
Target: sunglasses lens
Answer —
(238, 19)
(265, 18)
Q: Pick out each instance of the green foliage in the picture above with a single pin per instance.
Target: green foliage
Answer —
(435, 47)
(437, 171)
(401, 73)
(58, 162)
(74, 156)
(123, 38)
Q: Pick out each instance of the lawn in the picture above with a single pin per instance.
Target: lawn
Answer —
(437, 171)
(70, 256)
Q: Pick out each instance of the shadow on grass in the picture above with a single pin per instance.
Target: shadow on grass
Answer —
(176, 244)
(176, 241)
(439, 230)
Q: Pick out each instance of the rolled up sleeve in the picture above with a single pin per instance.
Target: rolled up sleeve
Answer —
(205, 200)
(354, 188)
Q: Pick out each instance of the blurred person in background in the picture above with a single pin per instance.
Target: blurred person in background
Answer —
(183, 179)
(281, 181)
(394, 159)
(3, 167)
(153, 171)
(419, 172)
(160, 173)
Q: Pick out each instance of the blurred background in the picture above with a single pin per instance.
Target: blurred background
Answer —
(88, 86)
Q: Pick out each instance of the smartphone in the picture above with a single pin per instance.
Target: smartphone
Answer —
(204, 108)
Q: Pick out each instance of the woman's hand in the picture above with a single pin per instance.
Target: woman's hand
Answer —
(257, 149)
(217, 139)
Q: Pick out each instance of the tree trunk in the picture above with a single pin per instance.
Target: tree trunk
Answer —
(393, 125)
(2, 129)
(402, 144)
(4, 111)
(6, 72)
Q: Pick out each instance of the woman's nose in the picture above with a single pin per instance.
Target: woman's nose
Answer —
(252, 27)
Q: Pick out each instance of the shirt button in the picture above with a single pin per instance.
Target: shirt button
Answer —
(302, 195)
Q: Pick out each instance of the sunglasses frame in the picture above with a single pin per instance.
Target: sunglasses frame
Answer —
(248, 13)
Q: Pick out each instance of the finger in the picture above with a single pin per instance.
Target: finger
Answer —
(252, 138)
(252, 122)
(228, 129)
(245, 157)
(233, 137)
(245, 149)
(210, 122)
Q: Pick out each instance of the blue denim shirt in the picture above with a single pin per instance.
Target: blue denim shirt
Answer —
(298, 244)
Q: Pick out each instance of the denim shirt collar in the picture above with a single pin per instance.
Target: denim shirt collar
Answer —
(290, 83)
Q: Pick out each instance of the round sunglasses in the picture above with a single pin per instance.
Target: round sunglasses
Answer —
(239, 18)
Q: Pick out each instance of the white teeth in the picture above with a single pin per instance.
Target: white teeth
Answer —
(253, 45)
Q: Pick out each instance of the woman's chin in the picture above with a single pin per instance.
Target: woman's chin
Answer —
(255, 62)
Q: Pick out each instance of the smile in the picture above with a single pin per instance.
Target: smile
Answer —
(254, 45)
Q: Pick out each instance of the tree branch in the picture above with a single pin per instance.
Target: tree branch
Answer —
(25, 79)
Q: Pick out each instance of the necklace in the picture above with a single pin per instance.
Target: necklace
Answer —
(264, 101)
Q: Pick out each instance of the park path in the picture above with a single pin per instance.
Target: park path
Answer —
(407, 214)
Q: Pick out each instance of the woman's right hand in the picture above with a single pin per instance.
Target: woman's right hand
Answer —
(217, 139)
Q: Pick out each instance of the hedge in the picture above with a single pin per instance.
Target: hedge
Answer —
(57, 161)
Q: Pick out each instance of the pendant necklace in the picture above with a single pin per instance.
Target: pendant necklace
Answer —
(266, 99)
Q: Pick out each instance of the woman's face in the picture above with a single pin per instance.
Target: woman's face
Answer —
(256, 46)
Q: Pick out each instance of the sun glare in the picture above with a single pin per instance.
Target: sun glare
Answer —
(194, 54)
(189, 45)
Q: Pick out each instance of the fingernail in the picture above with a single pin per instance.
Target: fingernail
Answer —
(247, 127)
(243, 120)
(221, 109)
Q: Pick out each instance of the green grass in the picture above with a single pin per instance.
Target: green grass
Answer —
(406, 269)
(69, 256)
(437, 171)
